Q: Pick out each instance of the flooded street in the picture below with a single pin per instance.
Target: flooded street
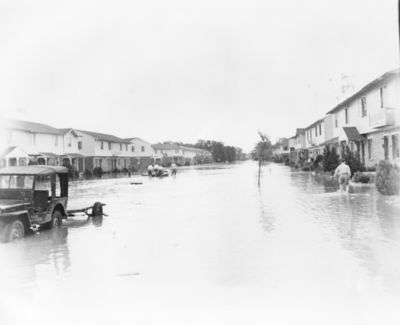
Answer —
(209, 246)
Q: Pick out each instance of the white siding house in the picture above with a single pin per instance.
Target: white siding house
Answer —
(368, 121)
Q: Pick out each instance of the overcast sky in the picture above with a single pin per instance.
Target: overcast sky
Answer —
(184, 70)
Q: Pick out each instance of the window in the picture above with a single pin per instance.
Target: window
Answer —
(363, 106)
(336, 121)
(315, 131)
(382, 91)
(109, 146)
(16, 181)
(320, 129)
(33, 138)
(142, 148)
(43, 183)
(80, 145)
(120, 146)
(369, 143)
(395, 146)
(126, 147)
(56, 140)
(133, 148)
(101, 145)
(346, 115)
(69, 141)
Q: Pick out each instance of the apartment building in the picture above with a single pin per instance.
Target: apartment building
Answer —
(315, 138)
(24, 142)
(368, 121)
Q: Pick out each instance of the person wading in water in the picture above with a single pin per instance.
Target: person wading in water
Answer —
(173, 169)
(343, 173)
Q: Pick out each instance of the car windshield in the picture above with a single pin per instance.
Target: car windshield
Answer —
(16, 182)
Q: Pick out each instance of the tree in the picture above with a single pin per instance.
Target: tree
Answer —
(262, 152)
(330, 159)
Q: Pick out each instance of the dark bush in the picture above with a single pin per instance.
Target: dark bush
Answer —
(354, 163)
(330, 159)
(361, 178)
(387, 178)
(88, 173)
(98, 171)
(72, 172)
(116, 170)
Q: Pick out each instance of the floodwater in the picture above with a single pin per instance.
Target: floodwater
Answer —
(210, 247)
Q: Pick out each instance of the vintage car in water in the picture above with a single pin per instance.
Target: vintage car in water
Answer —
(32, 197)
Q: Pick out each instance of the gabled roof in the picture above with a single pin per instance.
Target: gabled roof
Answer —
(104, 137)
(65, 131)
(315, 123)
(29, 126)
(136, 138)
(166, 146)
(373, 84)
(6, 151)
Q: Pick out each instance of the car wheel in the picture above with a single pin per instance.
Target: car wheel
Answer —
(56, 219)
(15, 231)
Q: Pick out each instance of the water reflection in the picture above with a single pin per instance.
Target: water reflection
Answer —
(215, 228)
(364, 221)
(48, 248)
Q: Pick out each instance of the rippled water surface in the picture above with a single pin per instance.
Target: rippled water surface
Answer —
(209, 246)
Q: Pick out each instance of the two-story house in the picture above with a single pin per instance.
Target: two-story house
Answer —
(368, 121)
(297, 147)
(104, 150)
(181, 155)
(141, 153)
(26, 142)
(281, 149)
(315, 138)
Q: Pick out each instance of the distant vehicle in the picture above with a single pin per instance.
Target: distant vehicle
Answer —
(32, 197)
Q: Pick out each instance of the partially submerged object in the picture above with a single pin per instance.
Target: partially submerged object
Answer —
(33, 197)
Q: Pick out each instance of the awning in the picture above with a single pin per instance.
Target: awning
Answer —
(330, 141)
(74, 155)
(352, 133)
(48, 154)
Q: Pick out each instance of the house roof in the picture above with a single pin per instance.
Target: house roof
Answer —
(65, 131)
(352, 133)
(105, 137)
(33, 170)
(29, 126)
(166, 146)
(315, 123)
(373, 84)
(330, 141)
(135, 138)
(49, 154)
(6, 151)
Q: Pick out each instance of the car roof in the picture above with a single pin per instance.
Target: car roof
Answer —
(33, 170)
